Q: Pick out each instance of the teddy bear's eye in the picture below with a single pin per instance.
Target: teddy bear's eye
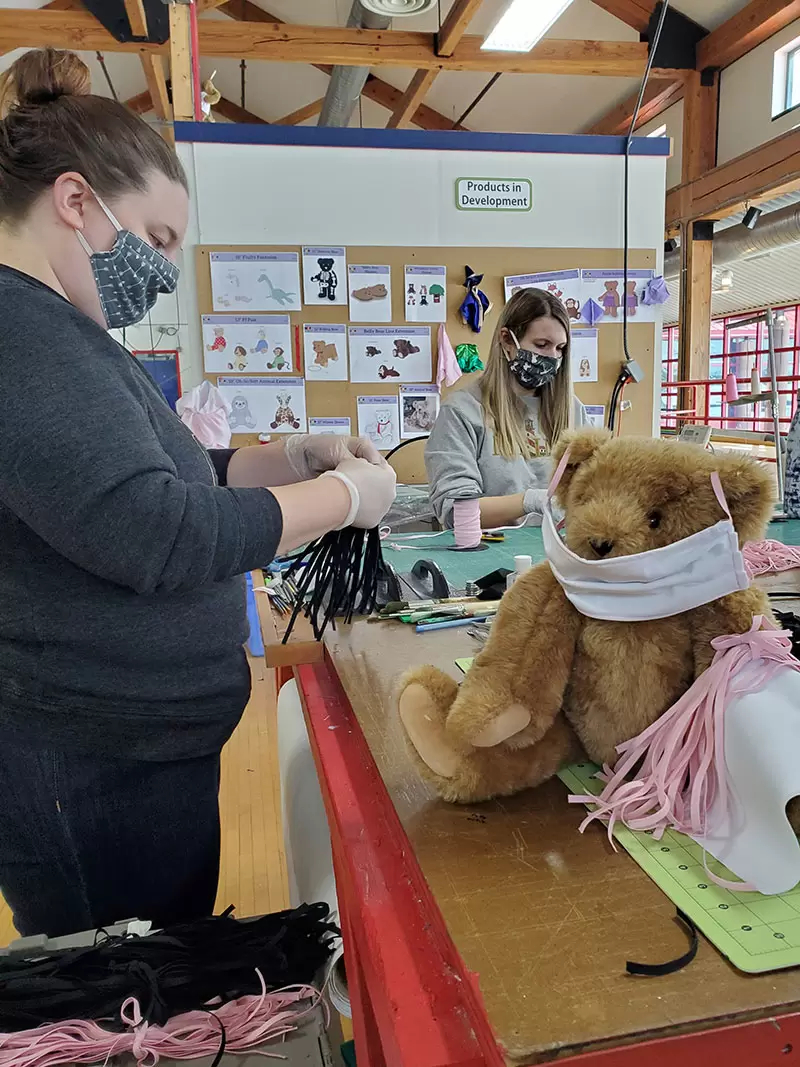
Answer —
(654, 520)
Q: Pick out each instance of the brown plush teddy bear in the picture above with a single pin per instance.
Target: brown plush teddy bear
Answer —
(552, 685)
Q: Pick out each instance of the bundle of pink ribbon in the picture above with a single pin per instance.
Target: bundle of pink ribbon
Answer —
(245, 1025)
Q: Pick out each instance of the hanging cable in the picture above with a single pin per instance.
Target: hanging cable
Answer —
(243, 74)
(615, 395)
(101, 59)
(494, 78)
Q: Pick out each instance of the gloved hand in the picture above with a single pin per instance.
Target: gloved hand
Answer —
(534, 501)
(311, 454)
(372, 486)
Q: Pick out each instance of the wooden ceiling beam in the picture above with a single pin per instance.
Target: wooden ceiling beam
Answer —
(294, 118)
(451, 32)
(658, 96)
(410, 100)
(310, 44)
(755, 23)
(142, 103)
(761, 174)
(137, 18)
(376, 89)
(455, 25)
(153, 67)
(634, 13)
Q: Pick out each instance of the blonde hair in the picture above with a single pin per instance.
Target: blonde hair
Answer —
(504, 409)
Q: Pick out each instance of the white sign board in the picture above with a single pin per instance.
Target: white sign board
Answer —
(494, 194)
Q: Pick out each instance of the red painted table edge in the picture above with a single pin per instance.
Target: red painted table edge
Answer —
(414, 1002)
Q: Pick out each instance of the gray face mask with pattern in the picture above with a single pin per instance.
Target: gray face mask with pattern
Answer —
(129, 276)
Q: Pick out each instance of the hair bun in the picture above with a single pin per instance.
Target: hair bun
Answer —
(41, 76)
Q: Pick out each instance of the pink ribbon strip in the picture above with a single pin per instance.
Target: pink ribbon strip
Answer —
(682, 754)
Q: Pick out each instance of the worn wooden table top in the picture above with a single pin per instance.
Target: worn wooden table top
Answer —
(546, 917)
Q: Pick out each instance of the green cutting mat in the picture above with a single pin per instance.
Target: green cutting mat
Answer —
(462, 567)
(756, 933)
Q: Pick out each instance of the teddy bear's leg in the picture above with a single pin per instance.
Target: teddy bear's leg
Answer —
(460, 773)
(516, 685)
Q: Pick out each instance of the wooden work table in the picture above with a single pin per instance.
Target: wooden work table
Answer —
(546, 917)
(538, 920)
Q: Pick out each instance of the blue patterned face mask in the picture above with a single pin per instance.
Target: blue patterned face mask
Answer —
(130, 276)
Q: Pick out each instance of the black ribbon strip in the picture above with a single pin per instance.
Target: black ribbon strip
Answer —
(658, 970)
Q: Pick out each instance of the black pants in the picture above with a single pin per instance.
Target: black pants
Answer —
(87, 841)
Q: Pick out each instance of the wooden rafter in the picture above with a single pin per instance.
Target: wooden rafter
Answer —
(307, 111)
(744, 31)
(137, 18)
(659, 95)
(765, 172)
(180, 50)
(311, 44)
(455, 25)
(451, 32)
(153, 67)
(635, 13)
(376, 89)
(142, 103)
(408, 103)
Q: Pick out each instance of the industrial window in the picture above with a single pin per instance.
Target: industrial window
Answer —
(792, 89)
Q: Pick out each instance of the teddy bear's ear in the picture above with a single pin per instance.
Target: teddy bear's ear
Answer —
(582, 445)
(749, 489)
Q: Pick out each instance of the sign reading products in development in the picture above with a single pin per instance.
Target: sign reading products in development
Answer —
(494, 194)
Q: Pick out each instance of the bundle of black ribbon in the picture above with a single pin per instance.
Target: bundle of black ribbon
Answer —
(170, 972)
(337, 577)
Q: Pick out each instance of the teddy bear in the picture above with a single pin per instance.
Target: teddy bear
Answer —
(553, 686)
(610, 299)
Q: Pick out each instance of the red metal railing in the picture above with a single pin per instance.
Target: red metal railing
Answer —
(703, 401)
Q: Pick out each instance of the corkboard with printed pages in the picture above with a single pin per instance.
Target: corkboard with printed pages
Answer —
(338, 399)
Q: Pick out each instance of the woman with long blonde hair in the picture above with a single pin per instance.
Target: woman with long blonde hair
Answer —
(493, 438)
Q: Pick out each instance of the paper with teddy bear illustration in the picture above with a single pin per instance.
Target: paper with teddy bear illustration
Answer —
(608, 289)
(265, 405)
(324, 276)
(255, 281)
(370, 291)
(563, 284)
(390, 354)
(325, 348)
(247, 344)
(379, 420)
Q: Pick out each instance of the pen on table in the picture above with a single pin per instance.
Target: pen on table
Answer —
(424, 627)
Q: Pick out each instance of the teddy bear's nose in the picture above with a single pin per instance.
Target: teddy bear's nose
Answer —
(602, 548)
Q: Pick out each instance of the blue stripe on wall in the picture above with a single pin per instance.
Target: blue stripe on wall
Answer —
(431, 140)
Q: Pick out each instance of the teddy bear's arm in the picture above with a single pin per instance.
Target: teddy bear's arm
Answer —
(521, 675)
(731, 615)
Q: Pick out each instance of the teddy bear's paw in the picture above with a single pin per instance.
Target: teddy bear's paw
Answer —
(424, 700)
(509, 727)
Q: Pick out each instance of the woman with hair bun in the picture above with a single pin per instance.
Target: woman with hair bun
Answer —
(123, 542)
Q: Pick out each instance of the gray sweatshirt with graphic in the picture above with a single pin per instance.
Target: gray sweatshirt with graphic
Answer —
(461, 461)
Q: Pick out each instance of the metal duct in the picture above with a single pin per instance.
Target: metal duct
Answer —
(777, 229)
(347, 83)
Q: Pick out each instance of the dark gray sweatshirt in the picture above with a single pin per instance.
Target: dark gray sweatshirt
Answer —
(122, 611)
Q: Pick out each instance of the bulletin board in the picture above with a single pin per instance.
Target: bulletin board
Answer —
(331, 399)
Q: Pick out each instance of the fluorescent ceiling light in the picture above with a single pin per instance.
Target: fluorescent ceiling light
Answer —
(659, 131)
(523, 23)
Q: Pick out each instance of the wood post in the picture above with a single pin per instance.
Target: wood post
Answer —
(180, 51)
(697, 252)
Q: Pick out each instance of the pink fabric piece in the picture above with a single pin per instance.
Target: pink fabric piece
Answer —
(249, 1022)
(205, 411)
(769, 557)
(682, 753)
(447, 369)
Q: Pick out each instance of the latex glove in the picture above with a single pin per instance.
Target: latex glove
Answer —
(372, 487)
(311, 454)
(534, 501)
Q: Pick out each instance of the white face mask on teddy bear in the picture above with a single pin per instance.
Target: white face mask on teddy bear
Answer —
(655, 584)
